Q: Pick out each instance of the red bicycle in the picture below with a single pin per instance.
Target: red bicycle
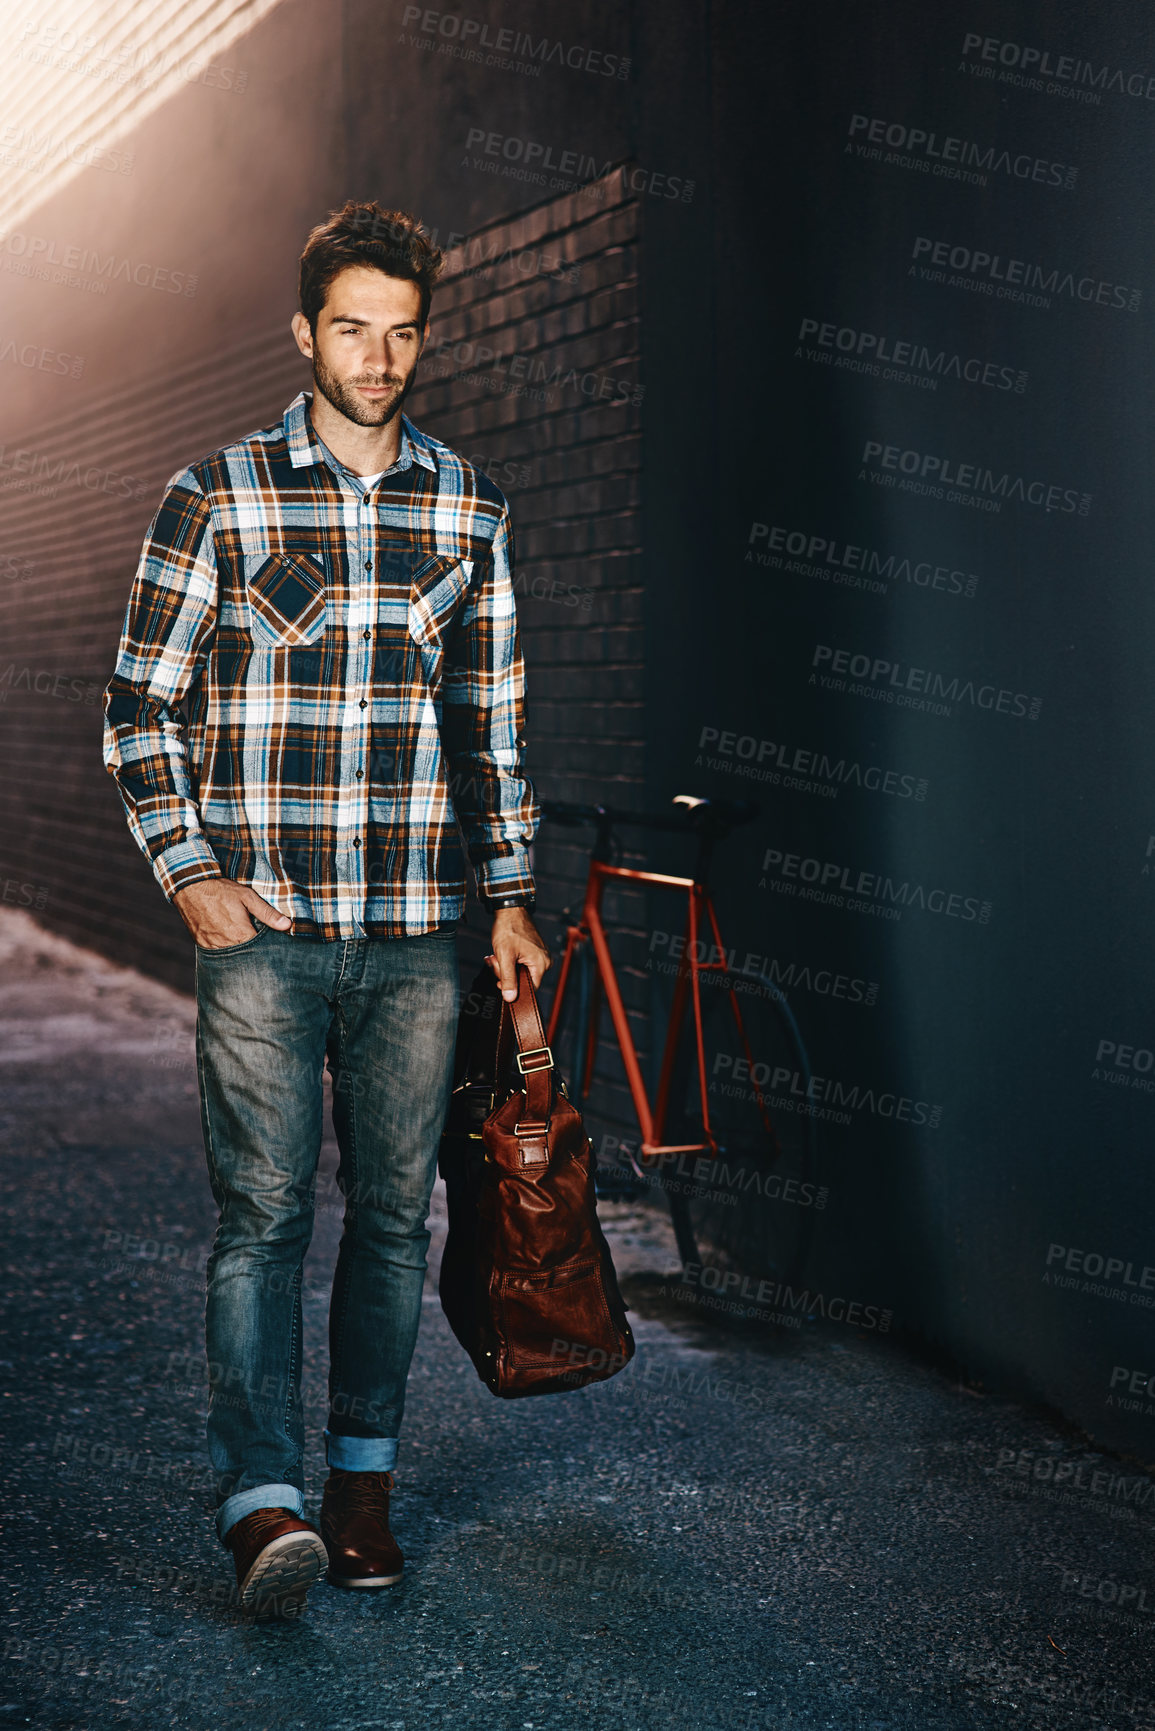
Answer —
(723, 1123)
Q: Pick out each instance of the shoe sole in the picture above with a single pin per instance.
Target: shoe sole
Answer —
(282, 1574)
(362, 1580)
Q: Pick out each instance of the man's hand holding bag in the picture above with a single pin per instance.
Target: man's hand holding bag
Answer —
(527, 1282)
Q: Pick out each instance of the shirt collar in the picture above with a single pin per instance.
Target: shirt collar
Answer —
(305, 448)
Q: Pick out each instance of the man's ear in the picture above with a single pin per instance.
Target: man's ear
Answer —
(424, 338)
(299, 325)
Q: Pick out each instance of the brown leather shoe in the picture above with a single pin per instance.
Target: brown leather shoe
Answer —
(278, 1558)
(355, 1526)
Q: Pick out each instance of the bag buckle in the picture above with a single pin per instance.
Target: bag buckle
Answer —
(482, 1094)
(542, 1052)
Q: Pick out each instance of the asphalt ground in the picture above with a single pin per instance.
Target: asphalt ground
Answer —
(751, 1527)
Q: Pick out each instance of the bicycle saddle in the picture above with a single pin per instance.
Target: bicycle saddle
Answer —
(716, 814)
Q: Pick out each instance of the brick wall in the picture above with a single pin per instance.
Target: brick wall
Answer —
(76, 497)
(553, 413)
(534, 371)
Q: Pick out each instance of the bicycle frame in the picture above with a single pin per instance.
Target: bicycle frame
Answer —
(700, 912)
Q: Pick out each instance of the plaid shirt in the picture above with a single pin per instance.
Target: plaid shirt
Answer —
(313, 679)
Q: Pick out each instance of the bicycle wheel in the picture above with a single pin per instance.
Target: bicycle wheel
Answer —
(761, 1194)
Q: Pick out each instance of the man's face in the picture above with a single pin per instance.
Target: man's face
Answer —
(366, 345)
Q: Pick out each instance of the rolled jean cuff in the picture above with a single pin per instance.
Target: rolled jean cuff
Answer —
(236, 1507)
(361, 1454)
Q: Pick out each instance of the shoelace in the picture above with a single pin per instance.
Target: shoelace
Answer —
(366, 1493)
(261, 1519)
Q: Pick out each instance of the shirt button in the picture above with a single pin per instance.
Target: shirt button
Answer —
(368, 564)
(367, 635)
(356, 841)
(364, 703)
(360, 773)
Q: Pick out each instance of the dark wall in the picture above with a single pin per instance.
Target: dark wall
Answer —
(536, 376)
(1014, 1006)
(941, 702)
(225, 185)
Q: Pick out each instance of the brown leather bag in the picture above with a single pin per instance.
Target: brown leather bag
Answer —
(527, 1282)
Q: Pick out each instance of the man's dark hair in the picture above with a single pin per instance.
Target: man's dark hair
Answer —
(363, 234)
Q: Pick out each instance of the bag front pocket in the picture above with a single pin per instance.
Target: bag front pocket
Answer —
(287, 597)
(558, 1317)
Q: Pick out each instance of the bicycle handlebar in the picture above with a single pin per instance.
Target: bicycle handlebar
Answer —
(714, 817)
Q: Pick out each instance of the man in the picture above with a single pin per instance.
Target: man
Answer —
(319, 667)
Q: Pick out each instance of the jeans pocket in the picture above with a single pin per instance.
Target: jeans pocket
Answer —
(235, 949)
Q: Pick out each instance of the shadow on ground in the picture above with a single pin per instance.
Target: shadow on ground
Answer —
(753, 1529)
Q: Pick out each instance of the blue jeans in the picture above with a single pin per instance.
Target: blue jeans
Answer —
(269, 1012)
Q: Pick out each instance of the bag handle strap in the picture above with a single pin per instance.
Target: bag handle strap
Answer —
(533, 1057)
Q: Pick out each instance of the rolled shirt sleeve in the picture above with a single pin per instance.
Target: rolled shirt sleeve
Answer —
(483, 722)
(168, 630)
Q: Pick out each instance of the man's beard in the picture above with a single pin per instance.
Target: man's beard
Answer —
(342, 394)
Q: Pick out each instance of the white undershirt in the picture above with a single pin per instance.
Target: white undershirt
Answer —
(370, 480)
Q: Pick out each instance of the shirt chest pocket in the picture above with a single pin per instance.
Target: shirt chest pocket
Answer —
(287, 598)
(436, 595)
